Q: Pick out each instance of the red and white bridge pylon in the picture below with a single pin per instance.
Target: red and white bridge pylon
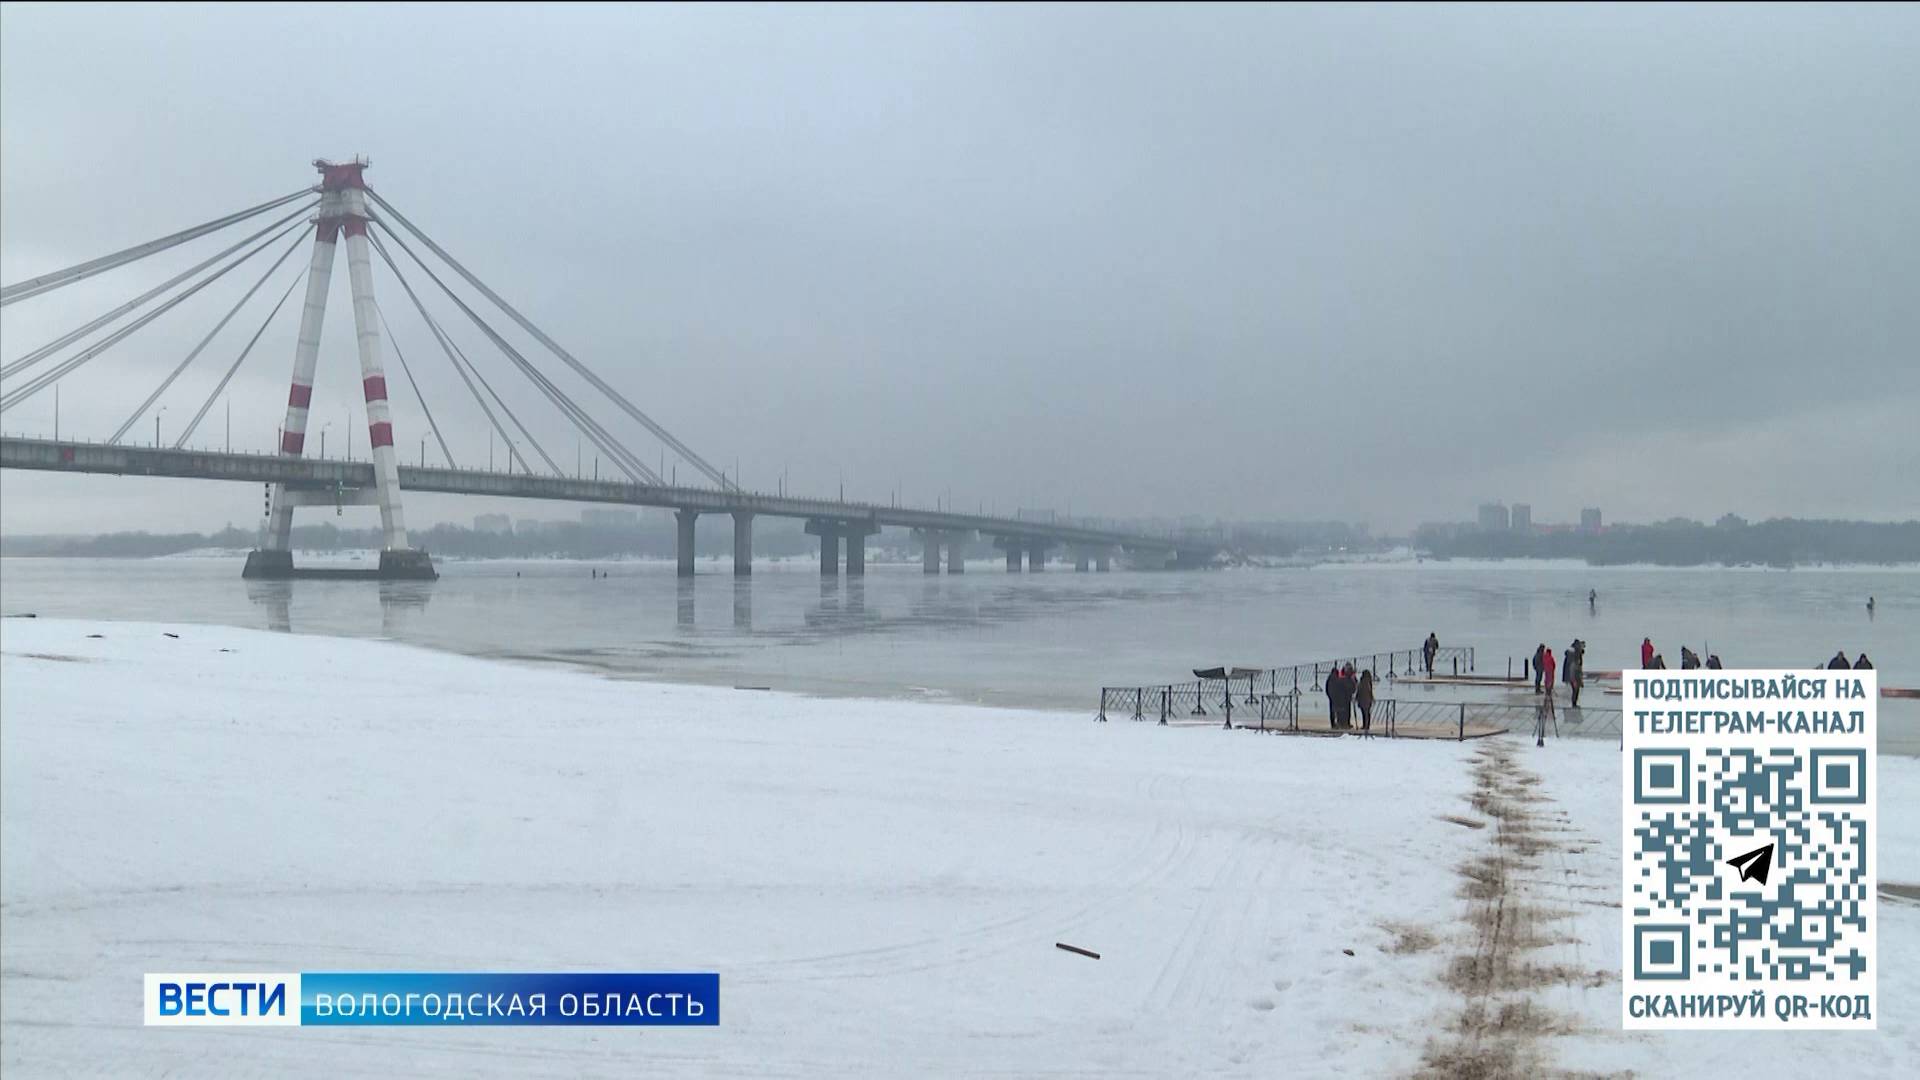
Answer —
(342, 213)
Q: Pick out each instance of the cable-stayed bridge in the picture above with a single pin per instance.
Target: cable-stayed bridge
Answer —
(343, 210)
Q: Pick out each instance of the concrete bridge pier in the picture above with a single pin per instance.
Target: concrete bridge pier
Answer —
(831, 532)
(955, 543)
(1091, 556)
(1014, 547)
(856, 533)
(930, 541)
(742, 543)
(683, 539)
(276, 563)
(1036, 556)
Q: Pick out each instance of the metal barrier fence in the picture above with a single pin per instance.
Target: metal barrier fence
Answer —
(1451, 659)
(1186, 703)
(1203, 700)
(1192, 699)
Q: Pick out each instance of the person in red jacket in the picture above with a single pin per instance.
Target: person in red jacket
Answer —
(1546, 672)
(1646, 652)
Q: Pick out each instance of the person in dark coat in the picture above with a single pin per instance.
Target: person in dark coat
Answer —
(1364, 696)
(1349, 686)
(1713, 662)
(1575, 673)
(1430, 649)
(1839, 662)
(1332, 687)
(1863, 664)
(1539, 662)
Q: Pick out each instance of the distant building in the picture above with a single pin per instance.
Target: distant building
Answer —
(610, 519)
(1590, 520)
(1522, 518)
(492, 523)
(529, 527)
(1493, 517)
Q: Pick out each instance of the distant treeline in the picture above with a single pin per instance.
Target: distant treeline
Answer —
(1681, 542)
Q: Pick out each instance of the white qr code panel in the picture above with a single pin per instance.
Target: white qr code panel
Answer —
(1748, 891)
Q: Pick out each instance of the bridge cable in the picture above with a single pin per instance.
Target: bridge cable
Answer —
(235, 366)
(402, 357)
(602, 439)
(678, 447)
(462, 360)
(557, 397)
(21, 290)
(121, 432)
(463, 367)
(66, 367)
(453, 347)
(64, 340)
(591, 428)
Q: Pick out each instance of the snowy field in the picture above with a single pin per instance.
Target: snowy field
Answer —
(880, 885)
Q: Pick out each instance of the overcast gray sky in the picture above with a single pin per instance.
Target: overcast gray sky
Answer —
(1368, 263)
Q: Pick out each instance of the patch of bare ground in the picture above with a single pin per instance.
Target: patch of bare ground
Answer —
(1409, 938)
(1499, 1030)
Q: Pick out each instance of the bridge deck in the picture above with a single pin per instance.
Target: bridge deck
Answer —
(325, 474)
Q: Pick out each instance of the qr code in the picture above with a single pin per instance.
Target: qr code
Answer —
(1794, 909)
(1748, 886)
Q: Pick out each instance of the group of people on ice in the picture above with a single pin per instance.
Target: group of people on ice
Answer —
(1344, 691)
(1570, 669)
(1689, 660)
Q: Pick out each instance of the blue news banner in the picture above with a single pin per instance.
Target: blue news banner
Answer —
(419, 998)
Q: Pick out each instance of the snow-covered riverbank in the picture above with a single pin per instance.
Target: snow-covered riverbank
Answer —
(880, 885)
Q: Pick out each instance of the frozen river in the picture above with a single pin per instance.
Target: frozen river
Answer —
(1048, 640)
